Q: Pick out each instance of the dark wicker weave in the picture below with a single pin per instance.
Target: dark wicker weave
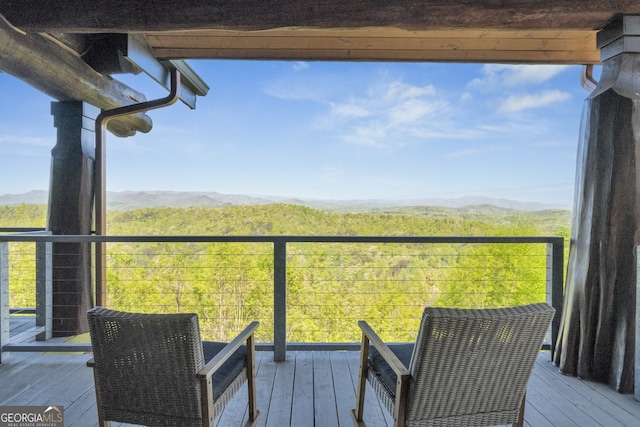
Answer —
(149, 369)
(468, 367)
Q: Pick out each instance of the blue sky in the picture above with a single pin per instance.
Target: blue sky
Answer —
(332, 131)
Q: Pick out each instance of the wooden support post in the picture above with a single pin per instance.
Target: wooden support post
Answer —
(598, 321)
(71, 212)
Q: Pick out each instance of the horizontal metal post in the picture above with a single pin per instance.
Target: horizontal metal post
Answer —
(20, 229)
(26, 335)
(273, 239)
(86, 348)
(52, 347)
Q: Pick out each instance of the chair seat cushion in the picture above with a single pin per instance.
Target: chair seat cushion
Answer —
(382, 368)
(224, 376)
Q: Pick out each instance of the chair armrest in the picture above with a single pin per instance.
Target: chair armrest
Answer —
(215, 363)
(386, 353)
(398, 367)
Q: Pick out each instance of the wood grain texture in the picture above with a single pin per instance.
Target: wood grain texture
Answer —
(149, 15)
(61, 73)
(597, 332)
(382, 44)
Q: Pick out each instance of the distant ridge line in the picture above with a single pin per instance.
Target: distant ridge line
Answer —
(129, 200)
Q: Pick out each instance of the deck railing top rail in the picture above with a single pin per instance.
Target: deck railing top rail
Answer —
(31, 237)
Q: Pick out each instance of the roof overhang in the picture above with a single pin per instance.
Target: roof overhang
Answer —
(513, 31)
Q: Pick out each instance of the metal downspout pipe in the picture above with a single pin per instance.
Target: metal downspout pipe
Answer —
(586, 78)
(100, 176)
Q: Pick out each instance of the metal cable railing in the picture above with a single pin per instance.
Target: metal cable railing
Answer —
(307, 291)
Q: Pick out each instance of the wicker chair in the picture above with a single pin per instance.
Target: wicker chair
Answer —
(153, 369)
(467, 367)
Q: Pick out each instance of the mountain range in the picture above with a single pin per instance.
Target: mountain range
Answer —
(128, 200)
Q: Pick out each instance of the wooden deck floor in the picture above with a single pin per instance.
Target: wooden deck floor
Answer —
(308, 389)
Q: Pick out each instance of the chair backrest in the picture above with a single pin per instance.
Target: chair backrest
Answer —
(471, 367)
(146, 365)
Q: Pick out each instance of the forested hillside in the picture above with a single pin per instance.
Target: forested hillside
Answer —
(329, 286)
(295, 219)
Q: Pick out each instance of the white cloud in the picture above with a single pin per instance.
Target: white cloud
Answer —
(392, 112)
(33, 141)
(25, 145)
(516, 103)
(466, 96)
(300, 65)
(349, 110)
(411, 111)
(549, 143)
(502, 75)
(514, 75)
(400, 91)
(371, 135)
(292, 91)
(465, 153)
(385, 115)
(382, 114)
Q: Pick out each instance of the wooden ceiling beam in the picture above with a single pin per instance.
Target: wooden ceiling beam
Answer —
(534, 46)
(61, 73)
(164, 15)
(390, 55)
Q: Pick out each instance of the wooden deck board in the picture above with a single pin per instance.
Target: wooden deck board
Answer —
(82, 412)
(25, 382)
(325, 414)
(308, 389)
(600, 401)
(552, 401)
(303, 390)
(344, 390)
(282, 395)
(534, 418)
(265, 379)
